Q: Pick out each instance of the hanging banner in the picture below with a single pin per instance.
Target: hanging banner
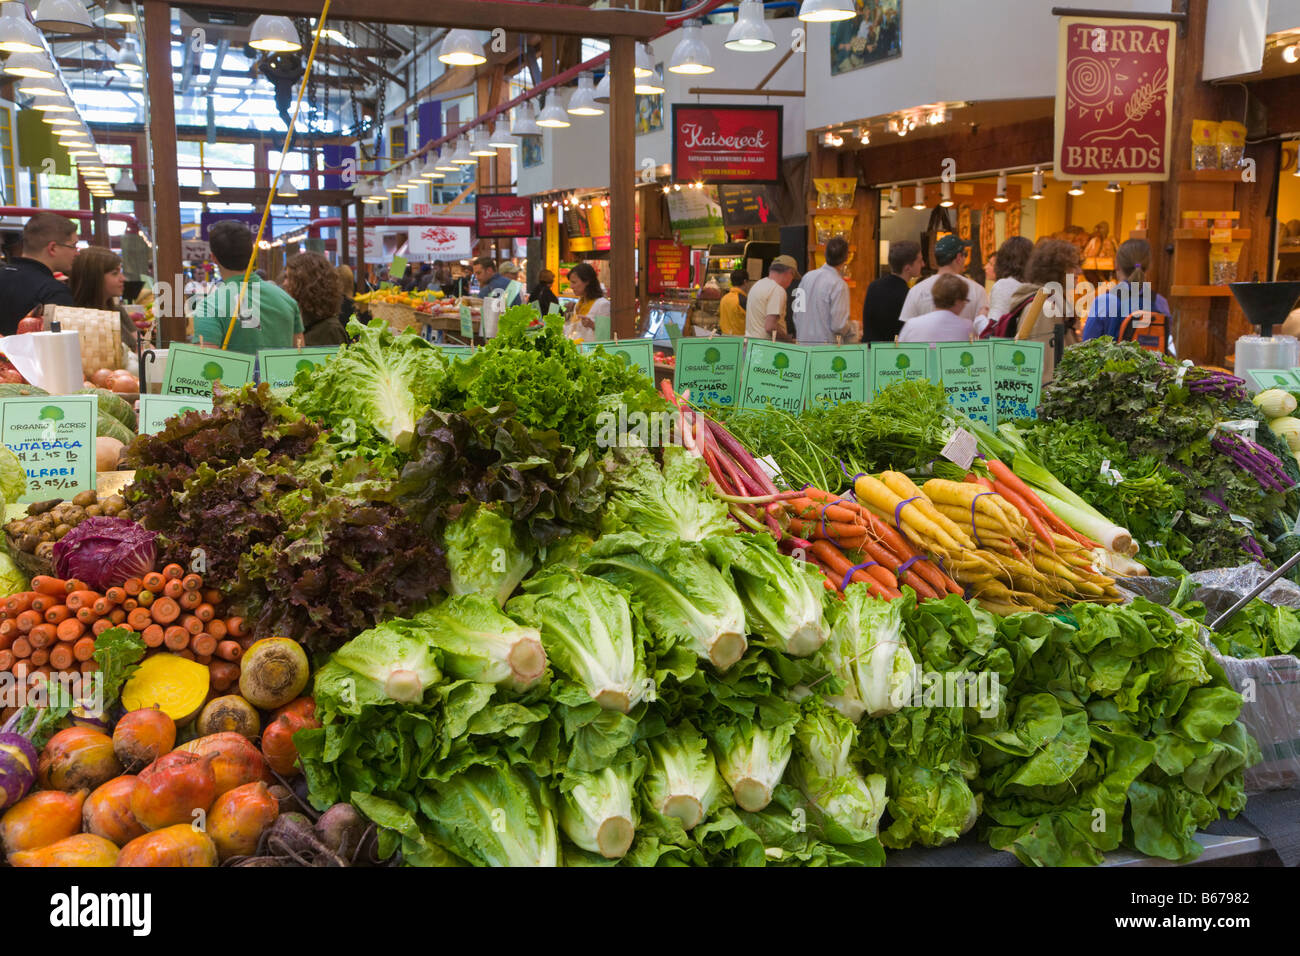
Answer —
(668, 266)
(374, 246)
(726, 144)
(504, 216)
(426, 243)
(1114, 98)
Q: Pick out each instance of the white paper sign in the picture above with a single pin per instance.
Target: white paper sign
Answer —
(960, 448)
(439, 242)
(195, 250)
(374, 246)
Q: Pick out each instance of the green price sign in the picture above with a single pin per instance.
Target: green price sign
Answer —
(279, 367)
(775, 376)
(1265, 378)
(710, 369)
(966, 373)
(192, 370)
(891, 363)
(836, 373)
(453, 351)
(1017, 379)
(54, 439)
(155, 410)
(466, 322)
(639, 353)
(398, 267)
(603, 333)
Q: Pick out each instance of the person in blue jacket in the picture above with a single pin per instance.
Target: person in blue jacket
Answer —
(1111, 308)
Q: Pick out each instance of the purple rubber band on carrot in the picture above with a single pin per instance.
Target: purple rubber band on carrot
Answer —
(848, 575)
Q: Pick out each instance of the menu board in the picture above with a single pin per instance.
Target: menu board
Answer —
(279, 367)
(836, 373)
(744, 206)
(775, 376)
(156, 409)
(192, 370)
(54, 440)
(891, 363)
(668, 266)
(639, 353)
(966, 372)
(710, 369)
(1017, 379)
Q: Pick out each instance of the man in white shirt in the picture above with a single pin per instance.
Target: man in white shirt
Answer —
(946, 322)
(950, 254)
(765, 310)
(821, 303)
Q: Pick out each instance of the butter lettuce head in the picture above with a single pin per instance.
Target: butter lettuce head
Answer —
(13, 477)
(849, 803)
(12, 580)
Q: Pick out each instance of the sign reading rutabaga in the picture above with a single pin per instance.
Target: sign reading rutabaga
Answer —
(710, 369)
(966, 373)
(836, 373)
(54, 439)
(775, 376)
(1017, 379)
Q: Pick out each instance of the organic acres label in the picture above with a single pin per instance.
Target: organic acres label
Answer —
(192, 370)
(727, 144)
(503, 217)
(1017, 379)
(967, 378)
(156, 409)
(836, 373)
(1265, 378)
(639, 353)
(891, 364)
(280, 367)
(775, 376)
(710, 369)
(54, 439)
(1114, 97)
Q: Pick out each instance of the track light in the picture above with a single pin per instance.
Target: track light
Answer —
(1076, 188)
(1113, 187)
(918, 199)
(1037, 185)
(583, 100)
(945, 192)
(1002, 188)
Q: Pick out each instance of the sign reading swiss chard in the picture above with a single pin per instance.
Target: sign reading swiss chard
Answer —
(726, 144)
(503, 216)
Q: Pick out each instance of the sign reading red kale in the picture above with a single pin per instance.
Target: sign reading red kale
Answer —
(727, 144)
(505, 216)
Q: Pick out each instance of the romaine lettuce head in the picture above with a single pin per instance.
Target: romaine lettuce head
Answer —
(13, 477)
(480, 643)
(868, 651)
(752, 759)
(589, 633)
(683, 598)
(495, 815)
(782, 597)
(598, 810)
(12, 580)
(485, 553)
(851, 805)
(391, 663)
(682, 779)
(928, 806)
(377, 387)
(669, 503)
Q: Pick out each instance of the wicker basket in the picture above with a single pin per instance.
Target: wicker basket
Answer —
(398, 316)
(100, 331)
(28, 564)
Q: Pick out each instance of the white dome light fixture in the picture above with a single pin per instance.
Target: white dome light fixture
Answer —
(603, 89)
(287, 190)
(31, 86)
(525, 121)
(583, 100)
(645, 61)
(652, 84)
(120, 12)
(31, 65)
(461, 48)
(67, 17)
(462, 157)
(500, 137)
(17, 35)
(429, 169)
(918, 199)
(691, 57)
(274, 35)
(208, 187)
(443, 164)
(125, 183)
(553, 115)
(750, 33)
(826, 11)
(128, 60)
(479, 145)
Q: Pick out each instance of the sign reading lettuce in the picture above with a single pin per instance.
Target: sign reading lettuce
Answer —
(891, 364)
(710, 369)
(192, 370)
(156, 409)
(54, 440)
(836, 373)
(639, 353)
(966, 373)
(279, 367)
(1017, 379)
(775, 376)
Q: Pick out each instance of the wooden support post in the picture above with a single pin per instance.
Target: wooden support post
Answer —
(345, 254)
(360, 271)
(162, 129)
(622, 187)
(99, 223)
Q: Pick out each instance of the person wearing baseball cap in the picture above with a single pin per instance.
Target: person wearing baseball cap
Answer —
(765, 309)
(951, 257)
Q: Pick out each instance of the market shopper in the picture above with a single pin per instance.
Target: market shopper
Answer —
(1051, 265)
(1009, 273)
(98, 283)
(347, 293)
(489, 280)
(1132, 294)
(951, 257)
(311, 280)
(27, 281)
(269, 317)
(885, 297)
(765, 310)
(731, 308)
(821, 304)
(946, 322)
(543, 294)
(591, 304)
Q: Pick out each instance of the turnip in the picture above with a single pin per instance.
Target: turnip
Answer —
(18, 761)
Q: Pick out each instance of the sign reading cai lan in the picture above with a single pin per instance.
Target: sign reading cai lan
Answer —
(1114, 98)
(726, 144)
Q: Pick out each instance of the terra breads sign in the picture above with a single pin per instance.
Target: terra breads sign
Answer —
(1114, 93)
(727, 144)
(504, 216)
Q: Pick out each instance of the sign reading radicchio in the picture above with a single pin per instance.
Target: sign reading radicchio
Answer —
(504, 216)
(727, 144)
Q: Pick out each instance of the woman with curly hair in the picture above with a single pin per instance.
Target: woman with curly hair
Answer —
(310, 279)
(1008, 274)
(1049, 266)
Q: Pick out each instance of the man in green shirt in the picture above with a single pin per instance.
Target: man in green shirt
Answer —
(269, 317)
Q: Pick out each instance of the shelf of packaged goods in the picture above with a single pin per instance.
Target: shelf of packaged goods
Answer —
(1195, 291)
(1205, 233)
(1210, 175)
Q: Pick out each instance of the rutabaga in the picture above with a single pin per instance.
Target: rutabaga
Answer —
(598, 810)
(782, 597)
(867, 651)
(851, 804)
(683, 598)
(495, 815)
(480, 643)
(589, 633)
(681, 778)
(752, 759)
